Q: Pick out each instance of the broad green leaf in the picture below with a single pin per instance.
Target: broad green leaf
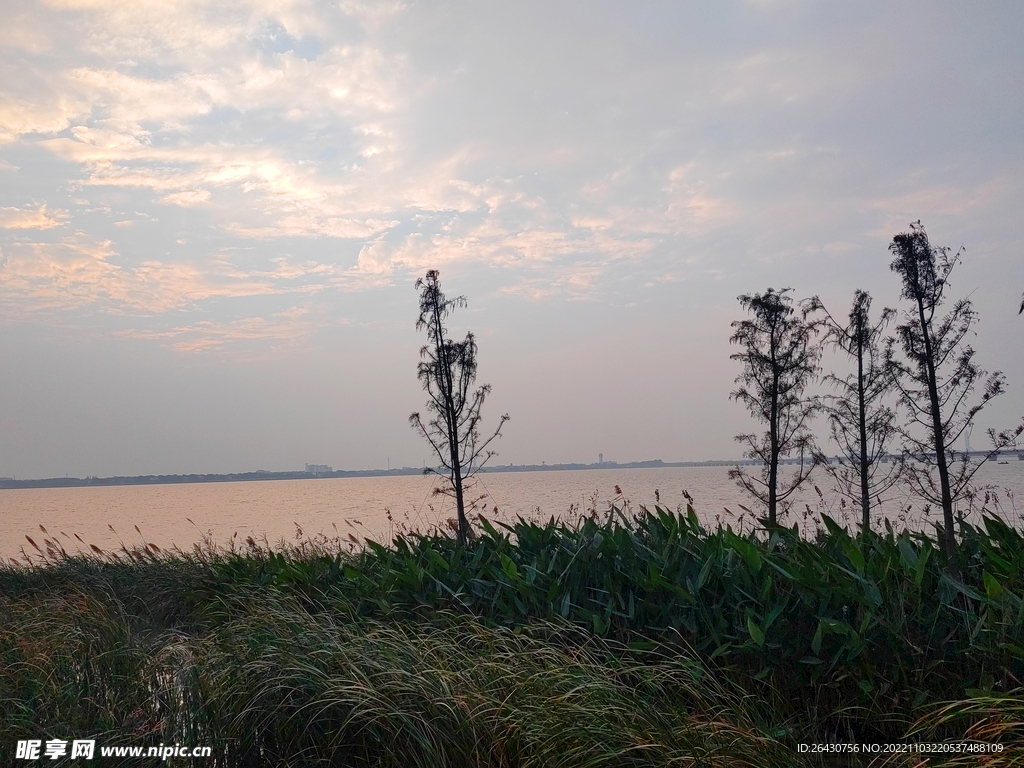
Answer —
(489, 528)
(437, 560)
(853, 552)
(721, 650)
(746, 549)
(992, 585)
(816, 640)
(773, 615)
(833, 527)
(755, 632)
(922, 561)
(509, 567)
(705, 571)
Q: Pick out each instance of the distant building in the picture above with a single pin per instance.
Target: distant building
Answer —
(600, 458)
(319, 469)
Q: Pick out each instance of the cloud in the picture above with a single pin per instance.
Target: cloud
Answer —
(543, 251)
(288, 328)
(19, 32)
(693, 209)
(785, 76)
(182, 172)
(573, 282)
(354, 81)
(187, 197)
(288, 198)
(19, 117)
(73, 273)
(164, 66)
(940, 200)
(373, 15)
(685, 203)
(178, 128)
(182, 30)
(296, 120)
(315, 223)
(31, 218)
(125, 100)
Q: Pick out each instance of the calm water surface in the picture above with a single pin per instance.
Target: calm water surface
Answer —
(359, 507)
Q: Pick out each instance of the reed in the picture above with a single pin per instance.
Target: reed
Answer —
(879, 614)
(460, 694)
(632, 640)
(278, 685)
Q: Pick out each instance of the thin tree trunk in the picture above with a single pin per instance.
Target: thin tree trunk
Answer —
(773, 463)
(463, 532)
(451, 420)
(865, 500)
(948, 534)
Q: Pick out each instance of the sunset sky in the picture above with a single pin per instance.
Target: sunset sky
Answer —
(212, 214)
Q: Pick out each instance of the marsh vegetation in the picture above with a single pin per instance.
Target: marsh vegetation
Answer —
(619, 639)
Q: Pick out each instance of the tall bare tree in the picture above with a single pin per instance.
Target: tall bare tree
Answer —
(937, 377)
(862, 424)
(447, 370)
(780, 359)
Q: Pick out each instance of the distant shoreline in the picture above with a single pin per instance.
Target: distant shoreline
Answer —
(7, 483)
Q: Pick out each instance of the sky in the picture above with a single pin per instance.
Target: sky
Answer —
(213, 215)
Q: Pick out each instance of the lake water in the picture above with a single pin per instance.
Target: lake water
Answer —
(181, 515)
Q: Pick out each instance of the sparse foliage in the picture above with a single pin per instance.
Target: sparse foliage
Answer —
(937, 376)
(862, 424)
(447, 370)
(780, 359)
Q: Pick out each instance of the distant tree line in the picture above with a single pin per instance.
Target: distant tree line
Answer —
(911, 395)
